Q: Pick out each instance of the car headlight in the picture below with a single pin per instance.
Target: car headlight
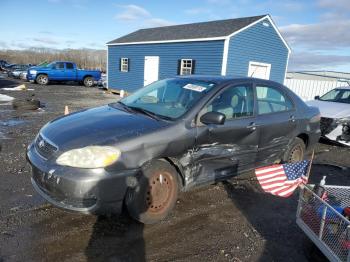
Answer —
(32, 72)
(89, 157)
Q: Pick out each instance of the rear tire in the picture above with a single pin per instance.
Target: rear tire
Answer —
(155, 196)
(88, 81)
(42, 79)
(295, 151)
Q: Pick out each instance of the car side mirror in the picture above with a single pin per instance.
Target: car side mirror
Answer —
(317, 97)
(215, 118)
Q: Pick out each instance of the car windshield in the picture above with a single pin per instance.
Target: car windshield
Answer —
(169, 98)
(337, 95)
(49, 65)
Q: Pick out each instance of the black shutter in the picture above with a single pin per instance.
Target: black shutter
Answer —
(120, 64)
(128, 64)
(193, 66)
(179, 67)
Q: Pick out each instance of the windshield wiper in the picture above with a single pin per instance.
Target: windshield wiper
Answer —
(144, 111)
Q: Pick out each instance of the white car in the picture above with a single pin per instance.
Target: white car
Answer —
(335, 114)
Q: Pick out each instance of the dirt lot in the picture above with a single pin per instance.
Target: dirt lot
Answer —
(233, 221)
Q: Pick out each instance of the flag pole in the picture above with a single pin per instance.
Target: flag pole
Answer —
(309, 169)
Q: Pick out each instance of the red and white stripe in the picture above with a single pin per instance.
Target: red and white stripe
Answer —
(274, 180)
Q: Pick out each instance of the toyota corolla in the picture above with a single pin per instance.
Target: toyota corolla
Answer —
(171, 136)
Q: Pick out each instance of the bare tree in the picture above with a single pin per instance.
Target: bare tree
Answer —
(84, 58)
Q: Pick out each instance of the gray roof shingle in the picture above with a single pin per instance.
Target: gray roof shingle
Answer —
(219, 28)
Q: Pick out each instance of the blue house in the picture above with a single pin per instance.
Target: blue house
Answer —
(249, 46)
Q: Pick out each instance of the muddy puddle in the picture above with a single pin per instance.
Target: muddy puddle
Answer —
(5, 124)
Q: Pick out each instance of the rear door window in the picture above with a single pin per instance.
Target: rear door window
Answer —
(272, 100)
(69, 66)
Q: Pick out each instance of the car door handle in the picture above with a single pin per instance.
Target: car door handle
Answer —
(251, 126)
(292, 118)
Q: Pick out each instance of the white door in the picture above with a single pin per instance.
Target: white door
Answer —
(259, 70)
(151, 69)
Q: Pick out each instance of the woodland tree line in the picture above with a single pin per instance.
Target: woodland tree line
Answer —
(84, 58)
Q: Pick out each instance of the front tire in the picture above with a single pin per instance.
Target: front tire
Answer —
(295, 151)
(156, 194)
(42, 79)
(88, 81)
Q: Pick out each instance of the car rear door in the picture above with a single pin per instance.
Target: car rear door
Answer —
(276, 122)
(222, 151)
(70, 73)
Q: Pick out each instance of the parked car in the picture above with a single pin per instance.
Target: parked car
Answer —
(3, 64)
(173, 135)
(335, 114)
(11, 68)
(23, 76)
(103, 81)
(16, 73)
(62, 71)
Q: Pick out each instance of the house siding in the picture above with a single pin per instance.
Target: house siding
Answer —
(207, 56)
(258, 43)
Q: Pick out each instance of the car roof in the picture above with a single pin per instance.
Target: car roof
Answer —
(343, 87)
(224, 79)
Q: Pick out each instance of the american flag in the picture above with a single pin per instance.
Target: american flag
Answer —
(282, 180)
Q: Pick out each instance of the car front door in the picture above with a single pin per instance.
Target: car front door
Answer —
(276, 121)
(223, 151)
(57, 72)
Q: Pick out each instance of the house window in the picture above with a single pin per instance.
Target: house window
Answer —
(187, 67)
(124, 64)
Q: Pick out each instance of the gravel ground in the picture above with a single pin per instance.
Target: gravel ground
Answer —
(230, 221)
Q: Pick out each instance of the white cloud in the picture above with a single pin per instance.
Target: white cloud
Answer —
(3, 45)
(317, 61)
(139, 15)
(320, 36)
(340, 5)
(197, 11)
(132, 12)
(46, 40)
(219, 2)
(157, 22)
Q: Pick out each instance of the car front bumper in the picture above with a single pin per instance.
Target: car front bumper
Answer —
(336, 130)
(31, 77)
(88, 191)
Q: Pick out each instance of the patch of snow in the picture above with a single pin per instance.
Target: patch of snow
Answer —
(5, 98)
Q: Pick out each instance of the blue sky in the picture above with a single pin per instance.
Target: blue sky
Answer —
(317, 31)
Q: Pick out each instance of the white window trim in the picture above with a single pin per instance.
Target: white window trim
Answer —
(121, 64)
(107, 70)
(259, 64)
(182, 65)
(225, 57)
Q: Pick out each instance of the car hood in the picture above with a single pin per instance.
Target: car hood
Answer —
(39, 68)
(331, 109)
(104, 125)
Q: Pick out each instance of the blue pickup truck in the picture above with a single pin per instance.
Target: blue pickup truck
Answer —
(62, 71)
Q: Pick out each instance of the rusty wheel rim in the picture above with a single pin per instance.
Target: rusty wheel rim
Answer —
(160, 191)
(296, 154)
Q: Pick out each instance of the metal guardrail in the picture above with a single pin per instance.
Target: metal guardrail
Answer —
(322, 220)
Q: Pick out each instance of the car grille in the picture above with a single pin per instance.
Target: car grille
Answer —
(326, 125)
(44, 148)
